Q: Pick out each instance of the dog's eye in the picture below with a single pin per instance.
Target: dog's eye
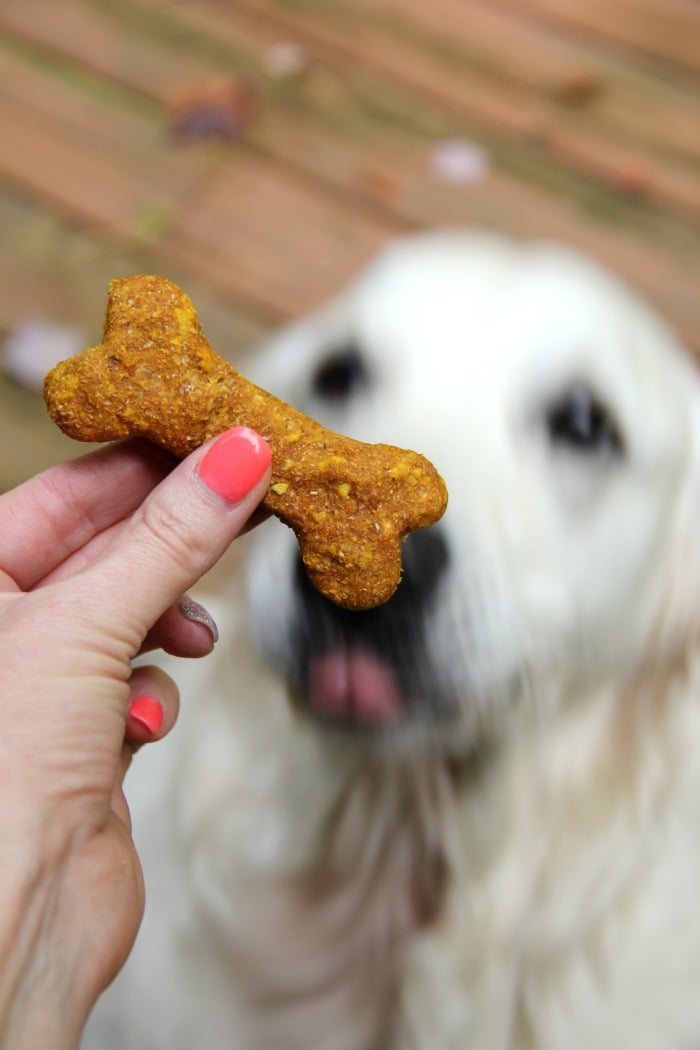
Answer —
(579, 421)
(340, 375)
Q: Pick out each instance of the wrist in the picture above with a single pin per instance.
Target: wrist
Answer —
(33, 1022)
(37, 1004)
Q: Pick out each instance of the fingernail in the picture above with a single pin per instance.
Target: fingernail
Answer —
(192, 610)
(147, 711)
(235, 463)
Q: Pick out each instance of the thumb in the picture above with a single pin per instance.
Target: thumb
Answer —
(180, 530)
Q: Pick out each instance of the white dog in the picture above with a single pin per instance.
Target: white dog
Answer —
(470, 819)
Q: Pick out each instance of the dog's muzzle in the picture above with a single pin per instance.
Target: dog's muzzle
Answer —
(367, 669)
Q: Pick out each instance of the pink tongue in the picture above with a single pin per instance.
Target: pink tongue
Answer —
(355, 684)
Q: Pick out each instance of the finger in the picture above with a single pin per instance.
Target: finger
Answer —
(259, 515)
(153, 706)
(185, 629)
(82, 556)
(86, 554)
(152, 712)
(51, 516)
(177, 534)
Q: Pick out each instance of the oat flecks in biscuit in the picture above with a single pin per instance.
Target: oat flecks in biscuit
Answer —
(350, 504)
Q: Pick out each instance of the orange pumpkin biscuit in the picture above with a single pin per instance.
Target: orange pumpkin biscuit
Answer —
(350, 504)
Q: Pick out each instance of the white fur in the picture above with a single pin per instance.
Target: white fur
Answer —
(523, 875)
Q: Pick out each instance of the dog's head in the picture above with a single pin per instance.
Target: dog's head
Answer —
(566, 423)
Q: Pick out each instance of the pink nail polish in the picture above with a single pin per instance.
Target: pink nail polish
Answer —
(235, 463)
(147, 711)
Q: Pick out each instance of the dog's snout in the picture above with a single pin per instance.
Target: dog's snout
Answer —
(371, 668)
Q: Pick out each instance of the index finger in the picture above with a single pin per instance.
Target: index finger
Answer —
(48, 518)
(177, 534)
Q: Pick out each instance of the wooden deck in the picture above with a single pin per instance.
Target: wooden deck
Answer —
(588, 112)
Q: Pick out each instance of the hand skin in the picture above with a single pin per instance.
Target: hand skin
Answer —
(94, 555)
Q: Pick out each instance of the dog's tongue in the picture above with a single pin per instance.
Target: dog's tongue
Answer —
(356, 685)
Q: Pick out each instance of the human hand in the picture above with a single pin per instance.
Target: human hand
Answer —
(94, 555)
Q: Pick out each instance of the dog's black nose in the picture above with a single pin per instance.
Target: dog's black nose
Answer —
(425, 560)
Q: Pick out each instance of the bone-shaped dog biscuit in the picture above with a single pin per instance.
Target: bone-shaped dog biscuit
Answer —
(350, 504)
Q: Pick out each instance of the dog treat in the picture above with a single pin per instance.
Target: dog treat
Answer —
(350, 504)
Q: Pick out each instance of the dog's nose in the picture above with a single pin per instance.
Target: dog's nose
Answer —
(425, 560)
(425, 556)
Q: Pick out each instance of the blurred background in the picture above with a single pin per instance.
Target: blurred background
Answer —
(258, 151)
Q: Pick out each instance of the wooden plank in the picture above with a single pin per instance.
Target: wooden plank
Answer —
(658, 266)
(470, 60)
(113, 169)
(351, 39)
(665, 29)
(245, 224)
(661, 262)
(272, 240)
(59, 272)
(582, 82)
(89, 35)
(297, 130)
(602, 140)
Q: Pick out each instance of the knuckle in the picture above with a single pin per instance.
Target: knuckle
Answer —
(172, 533)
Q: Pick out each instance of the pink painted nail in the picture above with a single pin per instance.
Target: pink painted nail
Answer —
(235, 463)
(147, 711)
